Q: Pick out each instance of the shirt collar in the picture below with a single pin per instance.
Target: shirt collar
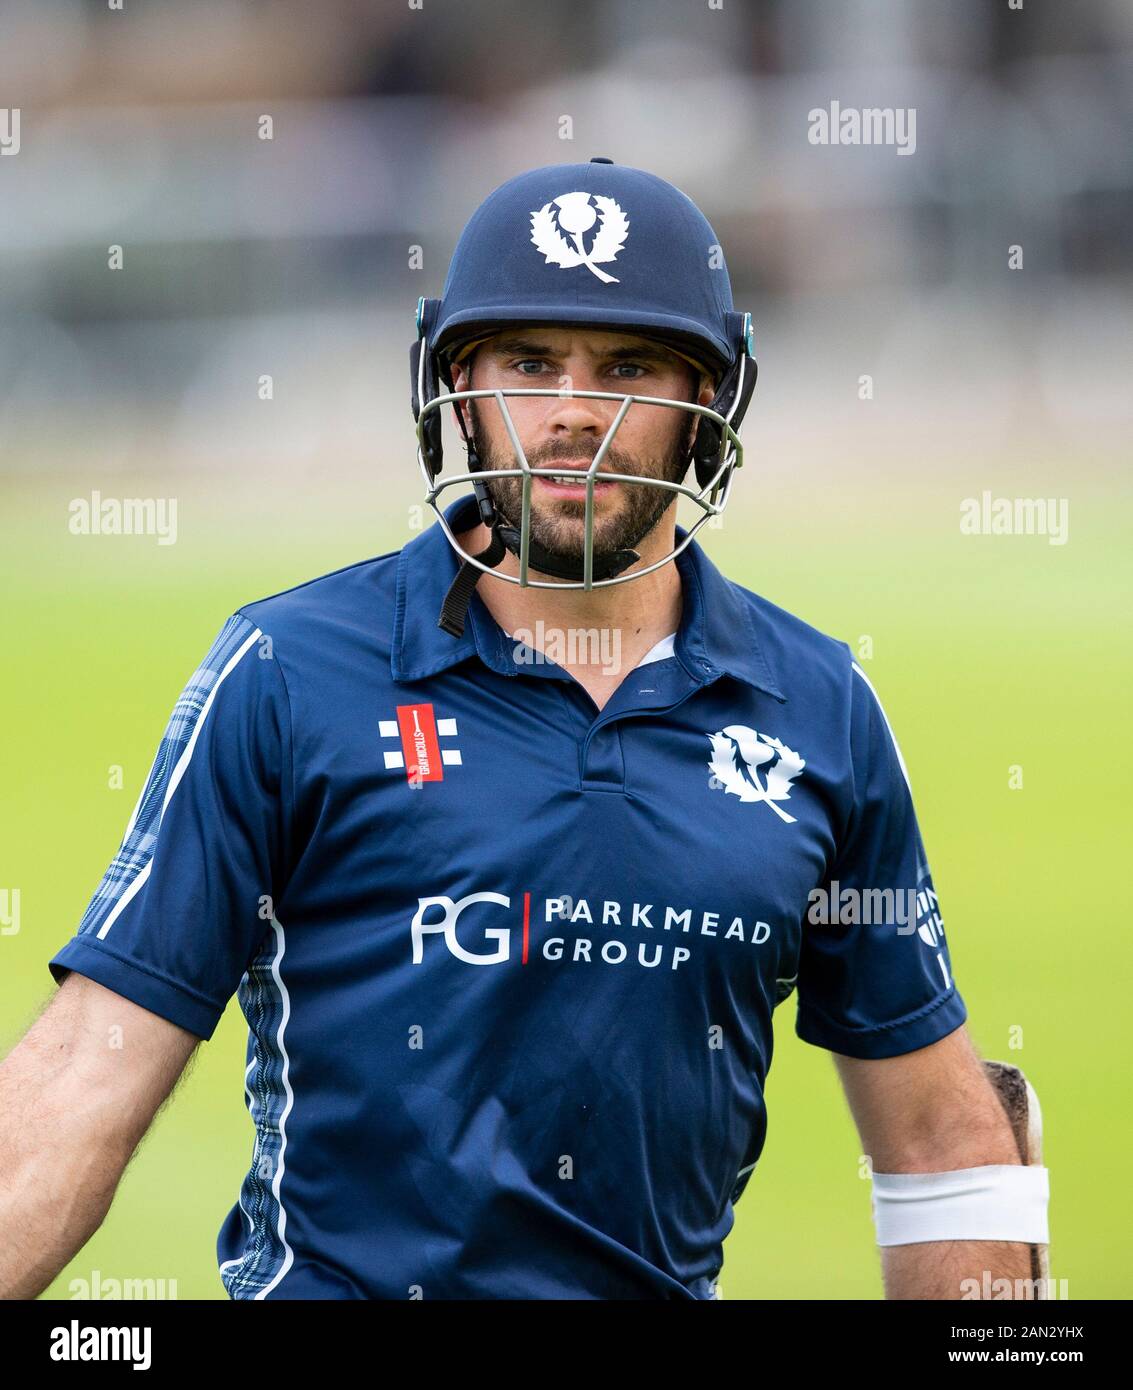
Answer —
(717, 634)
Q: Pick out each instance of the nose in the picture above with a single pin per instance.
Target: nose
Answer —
(571, 415)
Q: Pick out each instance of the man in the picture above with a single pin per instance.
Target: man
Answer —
(511, 843)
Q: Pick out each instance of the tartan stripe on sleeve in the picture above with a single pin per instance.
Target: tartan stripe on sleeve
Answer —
(136, 850)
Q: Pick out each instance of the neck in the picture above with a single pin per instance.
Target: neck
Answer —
(641, 611)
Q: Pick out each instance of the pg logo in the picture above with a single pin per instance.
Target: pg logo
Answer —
(446, 925)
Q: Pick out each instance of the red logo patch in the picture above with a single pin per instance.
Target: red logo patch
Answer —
(422, 755)
(419, 745)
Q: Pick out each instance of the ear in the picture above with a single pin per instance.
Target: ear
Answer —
(705, 395)
(462, 381)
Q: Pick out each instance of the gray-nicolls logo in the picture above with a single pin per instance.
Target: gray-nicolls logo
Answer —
(575, 214)
(740, 755)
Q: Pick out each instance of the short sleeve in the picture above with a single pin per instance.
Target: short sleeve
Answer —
(184, 904)
(875, 976)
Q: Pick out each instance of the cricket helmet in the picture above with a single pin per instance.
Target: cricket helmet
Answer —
(597, 245)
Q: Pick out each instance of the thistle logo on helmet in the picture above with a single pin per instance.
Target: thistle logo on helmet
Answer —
(577, 214)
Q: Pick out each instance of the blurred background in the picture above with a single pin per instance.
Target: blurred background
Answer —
(930, 327)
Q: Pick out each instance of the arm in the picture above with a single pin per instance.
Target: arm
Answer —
(77, 1094)
(934, 1110)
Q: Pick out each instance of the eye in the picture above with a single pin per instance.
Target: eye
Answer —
(621, 367)
(524, 363)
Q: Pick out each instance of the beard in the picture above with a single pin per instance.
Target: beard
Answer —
(561, 530)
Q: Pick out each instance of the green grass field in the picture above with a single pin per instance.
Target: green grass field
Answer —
(987, 652)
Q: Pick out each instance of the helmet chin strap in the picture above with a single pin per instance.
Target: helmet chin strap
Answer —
(560, 566)
(505, 537)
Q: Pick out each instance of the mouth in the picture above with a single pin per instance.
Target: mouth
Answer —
(571, 487)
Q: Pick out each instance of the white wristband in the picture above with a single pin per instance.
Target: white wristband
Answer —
(1000, 1201)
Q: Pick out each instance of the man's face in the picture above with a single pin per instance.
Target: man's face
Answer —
(561, 430)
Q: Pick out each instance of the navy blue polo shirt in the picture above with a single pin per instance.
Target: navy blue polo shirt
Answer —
(509, 963)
